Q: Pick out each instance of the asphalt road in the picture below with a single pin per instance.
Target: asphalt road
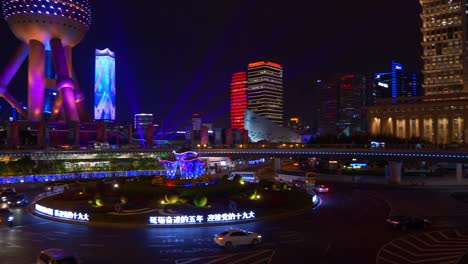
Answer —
(348, 227)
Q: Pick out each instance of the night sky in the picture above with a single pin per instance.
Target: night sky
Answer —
(176, 58)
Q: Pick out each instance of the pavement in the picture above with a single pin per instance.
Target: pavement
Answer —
(421, 181)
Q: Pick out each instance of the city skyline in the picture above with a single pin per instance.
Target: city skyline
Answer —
(175, 60)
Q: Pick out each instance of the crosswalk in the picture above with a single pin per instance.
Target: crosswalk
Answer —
(447, 246)
(173, 248)
(262, 256)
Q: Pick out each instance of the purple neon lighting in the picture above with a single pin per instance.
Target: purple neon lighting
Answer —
(64, 82)
(187, 165)
(36, 83)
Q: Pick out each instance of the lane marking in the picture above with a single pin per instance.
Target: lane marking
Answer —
(160, 245)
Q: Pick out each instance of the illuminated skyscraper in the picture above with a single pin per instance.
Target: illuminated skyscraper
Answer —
(104, 85)
(141, 121)
(351, 103)
(265, 90)
(396, 83)
(444, 43)
(238, 99)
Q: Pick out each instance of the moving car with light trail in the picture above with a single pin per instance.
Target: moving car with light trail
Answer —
(404, 222)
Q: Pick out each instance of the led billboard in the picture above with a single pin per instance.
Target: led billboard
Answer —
(104, 85)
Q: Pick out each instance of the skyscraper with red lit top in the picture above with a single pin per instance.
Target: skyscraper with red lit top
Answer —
(265, 90)
(238, 99)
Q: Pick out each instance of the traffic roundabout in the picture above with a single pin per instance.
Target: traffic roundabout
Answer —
(142, 204)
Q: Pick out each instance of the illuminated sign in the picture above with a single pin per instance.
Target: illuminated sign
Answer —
(382, 84)
(198, 219)
(357, 164)
(69, 215)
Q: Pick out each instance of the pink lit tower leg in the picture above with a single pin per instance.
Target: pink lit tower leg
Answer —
(64, 84)
(55, 26)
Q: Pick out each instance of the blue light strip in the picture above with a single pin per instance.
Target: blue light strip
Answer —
(77, 176)
(395, 67)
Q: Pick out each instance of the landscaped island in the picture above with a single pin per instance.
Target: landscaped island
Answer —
(159, 200)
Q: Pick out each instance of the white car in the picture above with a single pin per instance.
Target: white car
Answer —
(237, 237)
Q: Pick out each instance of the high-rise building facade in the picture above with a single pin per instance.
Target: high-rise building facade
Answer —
(328, 112)
(439, 116)
(238, 99)
(351, 104)
(395, 83)
(265, 90)
(444, 44)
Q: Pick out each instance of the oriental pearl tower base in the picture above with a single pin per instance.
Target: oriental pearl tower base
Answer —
(48, 31)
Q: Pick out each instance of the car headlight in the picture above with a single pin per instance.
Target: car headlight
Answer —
(314, 198)
(18, 202)
(10, 218)
(4, 198)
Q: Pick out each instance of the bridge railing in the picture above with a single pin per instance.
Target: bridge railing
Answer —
(77, 176)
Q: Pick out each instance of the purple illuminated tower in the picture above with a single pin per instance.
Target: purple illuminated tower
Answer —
(47, 27)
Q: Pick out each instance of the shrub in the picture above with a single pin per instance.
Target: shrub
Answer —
(200, 200)
(283, 186)
(172, 197)
(97, 201)
(155, 203)
(123, 200)
(253, 195)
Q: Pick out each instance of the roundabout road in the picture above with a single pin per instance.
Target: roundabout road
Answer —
(349, 225)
